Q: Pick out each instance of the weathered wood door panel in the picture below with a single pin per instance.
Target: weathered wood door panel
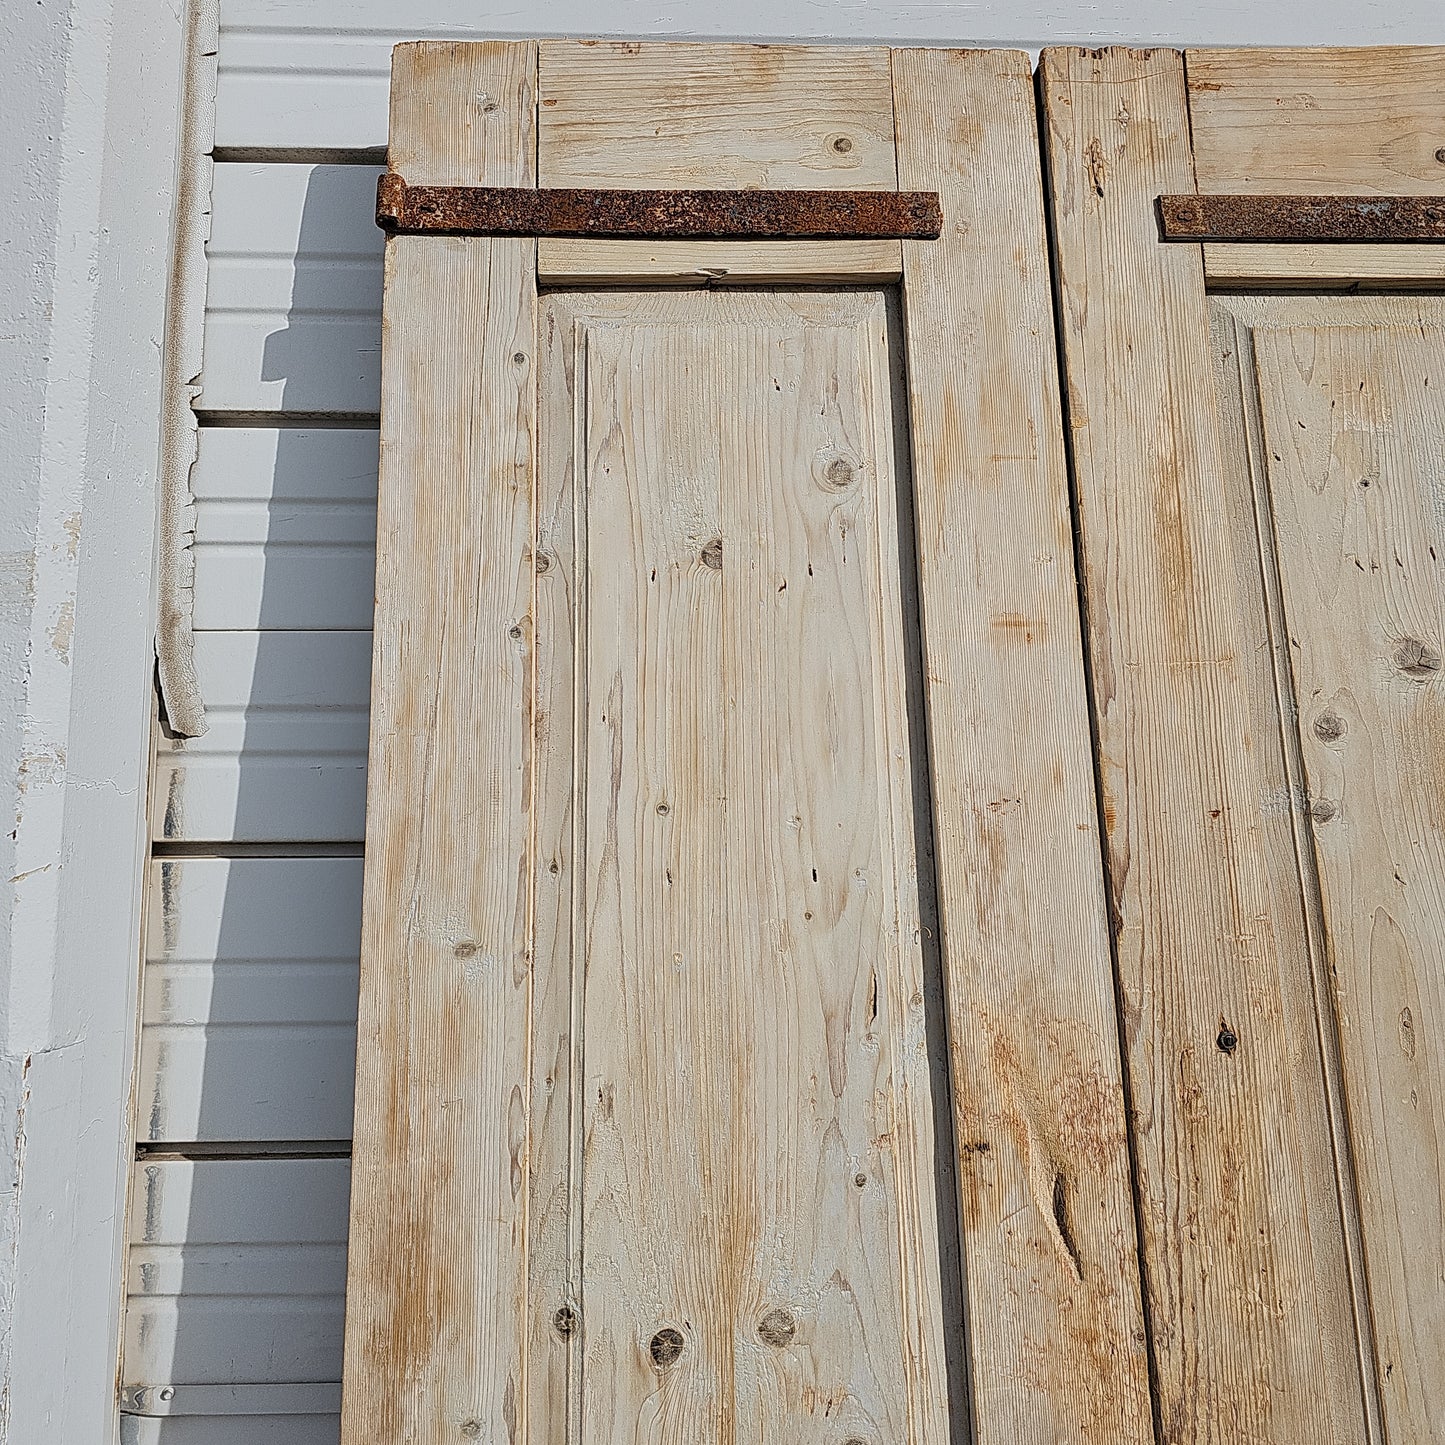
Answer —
(738, 1047)
(1258, 512)
(1340, 417)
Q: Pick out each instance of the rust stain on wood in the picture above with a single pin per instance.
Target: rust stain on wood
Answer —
(799, 215)
(1302, 218)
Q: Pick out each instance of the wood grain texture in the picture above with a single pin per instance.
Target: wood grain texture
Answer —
(1247, 1280)
(605, 263)
(1332, 267)
(1353, 429)
(1336, 121)
(1055, 1316)
(622, 113)
(749, 1157)
(435, 1346)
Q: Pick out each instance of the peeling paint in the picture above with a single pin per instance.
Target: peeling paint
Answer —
(60, 634)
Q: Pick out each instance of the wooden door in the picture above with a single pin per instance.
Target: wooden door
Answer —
(812, 988)
(738, 1051)
(1258, 446)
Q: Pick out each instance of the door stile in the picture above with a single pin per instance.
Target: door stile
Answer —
(437, 1274)
(1244, 1244)
(1056, 1333)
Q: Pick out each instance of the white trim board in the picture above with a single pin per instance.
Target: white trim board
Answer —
(90, 111)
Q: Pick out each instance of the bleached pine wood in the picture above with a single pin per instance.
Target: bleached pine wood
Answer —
(603, 263)
(1334, 267)
(435, 1338)
(624, 113)
(1329, 121)
(1246, 1271)
(1056, 1326)
(752, 1130)
(1353, 429)
(617, 113)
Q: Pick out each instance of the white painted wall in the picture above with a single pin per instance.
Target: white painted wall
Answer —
(88, 115)
(250, 959)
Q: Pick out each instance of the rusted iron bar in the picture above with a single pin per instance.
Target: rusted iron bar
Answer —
(1302, 218)
(657, 215)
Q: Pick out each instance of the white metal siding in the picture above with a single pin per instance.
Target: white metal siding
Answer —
(250, 985)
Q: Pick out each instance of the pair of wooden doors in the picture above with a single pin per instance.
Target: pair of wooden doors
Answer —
(814, 988)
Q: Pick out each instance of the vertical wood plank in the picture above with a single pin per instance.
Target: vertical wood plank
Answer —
(1246, 1276)
(1055, 1322)
(435, 1314)
(1353, 430)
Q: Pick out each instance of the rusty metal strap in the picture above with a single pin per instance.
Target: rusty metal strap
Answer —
(1302, 218)
(657, 215)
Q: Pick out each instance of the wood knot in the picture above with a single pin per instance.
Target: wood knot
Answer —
(842, 144)
(839, 472)
(711, 554)
(1417, 659)
(472, 1429)
(777, 1328)
(665, 1347)
(1322, 810)
(465, 949)
(543, 562)
(565, 1321)
(1329, 727)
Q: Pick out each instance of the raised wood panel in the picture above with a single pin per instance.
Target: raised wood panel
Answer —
(285, 757)
(285, 528)
(744, 1152)
(1047, 1217)
(293, 292)
(1332, 121)
(1350, 429)
(1246, 1268)
(249, 999)
(623, 113)
(236, 1270)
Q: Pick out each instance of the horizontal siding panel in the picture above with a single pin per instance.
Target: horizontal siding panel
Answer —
(285, 757)
(249, 999)
(236, 1272)
(232, 1430)
(286, 81)
(285, 528)
(293, 299)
